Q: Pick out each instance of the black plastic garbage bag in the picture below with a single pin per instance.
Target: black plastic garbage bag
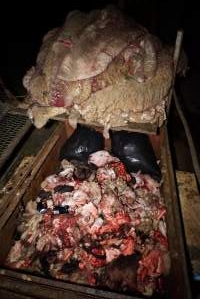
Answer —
(83, 142)
(136, 152)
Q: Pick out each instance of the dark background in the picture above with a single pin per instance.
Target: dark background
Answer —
(24, 23)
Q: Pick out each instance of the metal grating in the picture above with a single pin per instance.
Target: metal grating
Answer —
(12, 128)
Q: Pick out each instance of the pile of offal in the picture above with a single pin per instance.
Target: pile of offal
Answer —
(100, 219)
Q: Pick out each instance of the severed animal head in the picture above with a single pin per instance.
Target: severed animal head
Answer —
(40, 115)
(121, 274)
(82, 170)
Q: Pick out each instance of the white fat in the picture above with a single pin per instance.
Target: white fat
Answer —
(162, 228)
(52, 179)
(98, 222)
(49, 203)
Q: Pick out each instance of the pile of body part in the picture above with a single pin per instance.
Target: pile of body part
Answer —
(96, 224)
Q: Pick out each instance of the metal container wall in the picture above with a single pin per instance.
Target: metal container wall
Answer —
(16, 284)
